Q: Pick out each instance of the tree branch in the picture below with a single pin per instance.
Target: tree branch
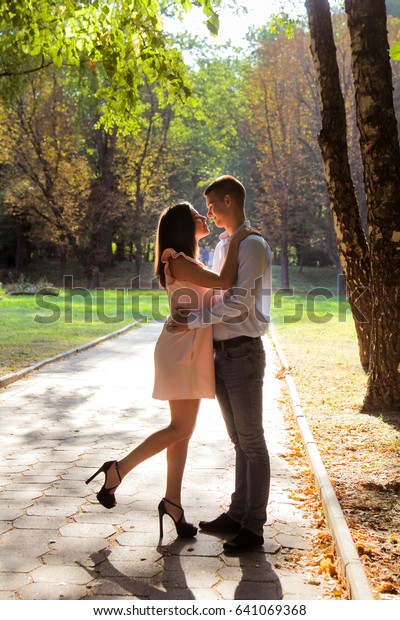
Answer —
(27, 71)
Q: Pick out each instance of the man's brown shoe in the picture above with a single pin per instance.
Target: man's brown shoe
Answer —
(223, 523)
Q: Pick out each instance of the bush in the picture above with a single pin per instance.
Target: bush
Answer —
(24, 287)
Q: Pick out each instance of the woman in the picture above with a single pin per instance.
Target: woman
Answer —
(184, 369)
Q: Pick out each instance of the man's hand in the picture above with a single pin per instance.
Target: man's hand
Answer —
(178, 321)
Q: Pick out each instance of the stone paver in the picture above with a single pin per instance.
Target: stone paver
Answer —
(62, 422)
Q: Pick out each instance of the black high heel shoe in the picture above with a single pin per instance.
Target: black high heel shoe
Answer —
(184, 530)
(104, 496)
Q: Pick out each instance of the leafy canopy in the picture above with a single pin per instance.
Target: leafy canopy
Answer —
(124, 38)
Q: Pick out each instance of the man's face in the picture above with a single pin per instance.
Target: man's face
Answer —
(217, 208)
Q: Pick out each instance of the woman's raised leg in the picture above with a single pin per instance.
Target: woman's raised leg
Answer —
(180, 428)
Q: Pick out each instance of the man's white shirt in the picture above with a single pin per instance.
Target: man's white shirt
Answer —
(243, 310)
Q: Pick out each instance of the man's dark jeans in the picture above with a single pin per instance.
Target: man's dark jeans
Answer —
(239, 373)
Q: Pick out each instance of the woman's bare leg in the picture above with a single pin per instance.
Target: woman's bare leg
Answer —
(180, 429)
(176, 456)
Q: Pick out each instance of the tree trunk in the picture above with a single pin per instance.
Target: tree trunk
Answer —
(22, 256)
(104, 202)
(63, 264)
(104, 239)
(381, 162)
(350, 237)
(137, 257)
(120, 251)
(284, 255)
(93, 276)
(138, 218)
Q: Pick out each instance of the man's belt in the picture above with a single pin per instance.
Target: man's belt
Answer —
(233, 342)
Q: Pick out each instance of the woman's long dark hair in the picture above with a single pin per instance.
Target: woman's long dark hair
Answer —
(175, 230)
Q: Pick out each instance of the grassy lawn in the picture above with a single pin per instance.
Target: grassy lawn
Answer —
(34, 328)
(319, 340)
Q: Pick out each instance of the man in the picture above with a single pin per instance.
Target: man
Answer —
(239, 320)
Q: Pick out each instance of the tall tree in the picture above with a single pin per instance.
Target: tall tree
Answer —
(102, 207)
(50, 180)
(142, 172)
(282, 98)
(351, 240)
(380, 152)
(373, 268)
(212, 136)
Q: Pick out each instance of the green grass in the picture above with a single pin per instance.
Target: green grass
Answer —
(307, 279)
(318, 337)
(34, 328)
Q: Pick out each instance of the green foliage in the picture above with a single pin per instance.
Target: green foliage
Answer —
(395, 51)
(278, 24)
(124, 37)
(282, 23)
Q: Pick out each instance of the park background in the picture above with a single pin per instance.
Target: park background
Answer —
(84, 175)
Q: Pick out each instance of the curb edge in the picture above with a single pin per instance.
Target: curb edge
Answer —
(351, 565)
(6, 380)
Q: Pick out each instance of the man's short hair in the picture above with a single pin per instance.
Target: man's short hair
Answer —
(227, 185)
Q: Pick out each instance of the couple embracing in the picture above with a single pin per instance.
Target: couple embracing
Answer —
(213, 347)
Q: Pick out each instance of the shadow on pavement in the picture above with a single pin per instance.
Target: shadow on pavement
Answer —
(178, 574)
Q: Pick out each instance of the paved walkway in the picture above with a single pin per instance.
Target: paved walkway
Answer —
(58, 426)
